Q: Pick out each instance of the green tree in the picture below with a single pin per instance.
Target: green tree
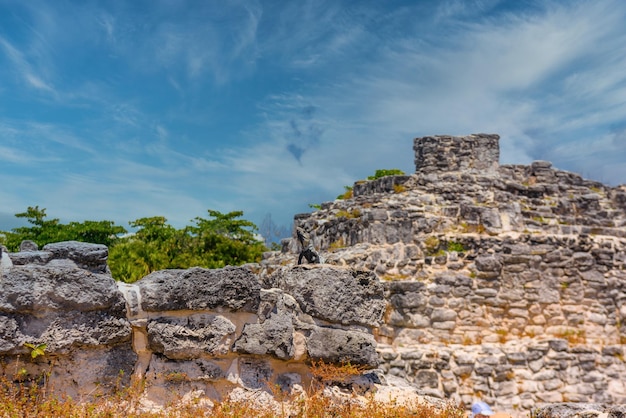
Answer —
(44, 231)
(221, 240)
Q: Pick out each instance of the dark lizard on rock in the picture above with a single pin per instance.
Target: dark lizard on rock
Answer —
(308, 251)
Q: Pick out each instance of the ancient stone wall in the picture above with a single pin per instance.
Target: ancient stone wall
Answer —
(468, 278)
(519, 271)
(209, 332)
(444, 153)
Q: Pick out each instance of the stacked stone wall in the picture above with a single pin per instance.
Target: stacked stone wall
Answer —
(514, 274)
(516, 376)
(195, 332)
(442, 153)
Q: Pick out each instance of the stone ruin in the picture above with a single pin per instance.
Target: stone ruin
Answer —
(503, 282)
(465, 280)
(196, 333)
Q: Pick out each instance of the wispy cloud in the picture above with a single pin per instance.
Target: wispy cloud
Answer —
(266, 107)
(23, 68)
(497, 76)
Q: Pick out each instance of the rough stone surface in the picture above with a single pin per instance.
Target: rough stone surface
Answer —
(579, 410)
(28, 245)
(336, 295)
(339, 346)
(521, 268)
(91, 257)
(5, 261)
(190, 337)
(73, 307)
(61, 286)
(233, 288)
(272, 337)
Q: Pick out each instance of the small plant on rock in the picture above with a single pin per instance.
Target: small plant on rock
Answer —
(431, 245)
(36, 350)
(382, 173)
(399, 188)
(347, 194)
(456, 246)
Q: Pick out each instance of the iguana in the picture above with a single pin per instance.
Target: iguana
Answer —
(308, 251)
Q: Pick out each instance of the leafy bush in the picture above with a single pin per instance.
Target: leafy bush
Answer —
(382, 173)
(45, 231)
(220, 240)
(347, 194)
(456, 246)
(211, 243)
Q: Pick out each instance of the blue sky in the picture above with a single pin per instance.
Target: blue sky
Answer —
(118, 110)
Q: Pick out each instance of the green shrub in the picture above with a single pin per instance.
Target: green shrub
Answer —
(382, 173)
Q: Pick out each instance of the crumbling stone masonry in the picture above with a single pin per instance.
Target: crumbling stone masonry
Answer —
(504, 282)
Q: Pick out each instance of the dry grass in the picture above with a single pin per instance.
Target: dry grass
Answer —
(34, 400)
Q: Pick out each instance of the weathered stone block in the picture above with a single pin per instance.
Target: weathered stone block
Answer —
(337, 295)
(91, 257)
(340, 346)
(191, 337)
(272, 337)
(233, 288)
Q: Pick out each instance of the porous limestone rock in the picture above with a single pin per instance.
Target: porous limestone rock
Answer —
(91, 257)
(338, 295)
(272, 337)
(28, 245)
(338, 346)
(190, 337)
(576, 410)
(232, 288)
(478, 256)
(73, 309)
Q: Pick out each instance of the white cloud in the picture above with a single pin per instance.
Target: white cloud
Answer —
(513, 75)
(359, 83)
(23, 68)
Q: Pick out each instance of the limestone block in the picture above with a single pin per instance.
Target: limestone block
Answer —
(336, 295)
(416, 320)
(340, 346)
(78, 329)
(427, 378)
(549, 397)
(233, 288)
(190, 337)
(28, 245)
(31, 257)
(443, 315)
(92, 257)
(254, 373)
(507, 388)
(464, 357)
(552, 384)
(583, 261)
(36, 289)
(545, 375)
(272, 337)
(448, 325)
(176, 370)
